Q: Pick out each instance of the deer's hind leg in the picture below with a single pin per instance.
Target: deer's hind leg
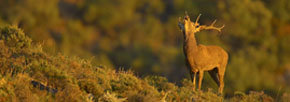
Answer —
(221, 85)
(221, 73)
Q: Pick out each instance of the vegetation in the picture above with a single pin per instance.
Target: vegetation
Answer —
(141, 36)
(29, 74)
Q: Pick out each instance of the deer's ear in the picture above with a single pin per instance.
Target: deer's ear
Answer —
(187, 18)
(181, 26)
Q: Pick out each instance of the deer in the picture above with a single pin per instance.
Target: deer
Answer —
(200, 58)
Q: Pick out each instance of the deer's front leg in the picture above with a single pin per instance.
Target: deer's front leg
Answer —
(194, 80)
(200, 79)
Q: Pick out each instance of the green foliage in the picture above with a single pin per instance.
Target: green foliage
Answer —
(77, 79)
(14, 37)
(142, 35)
(252, 97)
(161, 83)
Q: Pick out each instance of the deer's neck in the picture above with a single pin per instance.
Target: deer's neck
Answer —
(190, 44)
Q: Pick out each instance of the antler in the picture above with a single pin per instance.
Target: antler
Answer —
(196, 21)
(204, 27)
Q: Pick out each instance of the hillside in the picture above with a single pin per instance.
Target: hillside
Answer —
(29, 74)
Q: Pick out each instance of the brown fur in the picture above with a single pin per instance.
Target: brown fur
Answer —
(200, 58)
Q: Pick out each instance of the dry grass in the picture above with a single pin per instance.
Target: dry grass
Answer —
(75, 79)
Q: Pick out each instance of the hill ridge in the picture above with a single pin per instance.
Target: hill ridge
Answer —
(30, 74)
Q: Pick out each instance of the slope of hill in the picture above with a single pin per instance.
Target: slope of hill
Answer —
(29, 74)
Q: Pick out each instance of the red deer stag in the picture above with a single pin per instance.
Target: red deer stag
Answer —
(200, 58)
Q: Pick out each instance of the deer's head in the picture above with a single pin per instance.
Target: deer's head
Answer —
(188, 27)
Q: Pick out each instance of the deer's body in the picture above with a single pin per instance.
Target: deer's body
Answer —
(200, 58)
(205, 58)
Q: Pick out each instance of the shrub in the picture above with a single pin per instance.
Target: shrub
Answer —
(29, 74)
(14, 37)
